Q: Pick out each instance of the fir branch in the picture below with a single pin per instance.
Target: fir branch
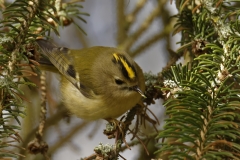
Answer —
(19, 20)
(23, 22)
(203, 97)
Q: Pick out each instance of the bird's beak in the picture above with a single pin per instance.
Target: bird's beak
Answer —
(137, 89)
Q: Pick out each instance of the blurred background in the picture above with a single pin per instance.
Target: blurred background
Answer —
(150, 33)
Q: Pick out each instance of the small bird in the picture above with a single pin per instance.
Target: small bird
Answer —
(97, 82)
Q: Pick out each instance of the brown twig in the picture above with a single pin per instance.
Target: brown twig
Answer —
(38, 145)
(122, 157)
(121, 35)
(94, 129)
(149, 42)
(49, 122)
(172, 61)
(131, 17)
(66, 138)
(126, 45)
(145, 148)
(91, 157)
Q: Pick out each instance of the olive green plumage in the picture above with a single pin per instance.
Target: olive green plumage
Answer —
(97, 82)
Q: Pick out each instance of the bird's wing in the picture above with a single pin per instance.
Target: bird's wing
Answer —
(59, 57)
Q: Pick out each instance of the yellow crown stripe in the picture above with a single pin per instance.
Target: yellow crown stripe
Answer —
(116, 56)
(131, 73)
(129, 69)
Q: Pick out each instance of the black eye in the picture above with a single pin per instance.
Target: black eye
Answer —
(118, 81)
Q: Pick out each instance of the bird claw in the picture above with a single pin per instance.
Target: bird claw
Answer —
(114, 129)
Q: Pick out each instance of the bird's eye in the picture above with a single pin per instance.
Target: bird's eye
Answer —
(118, 81)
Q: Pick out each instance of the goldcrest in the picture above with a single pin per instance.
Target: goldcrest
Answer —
(97, 82)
